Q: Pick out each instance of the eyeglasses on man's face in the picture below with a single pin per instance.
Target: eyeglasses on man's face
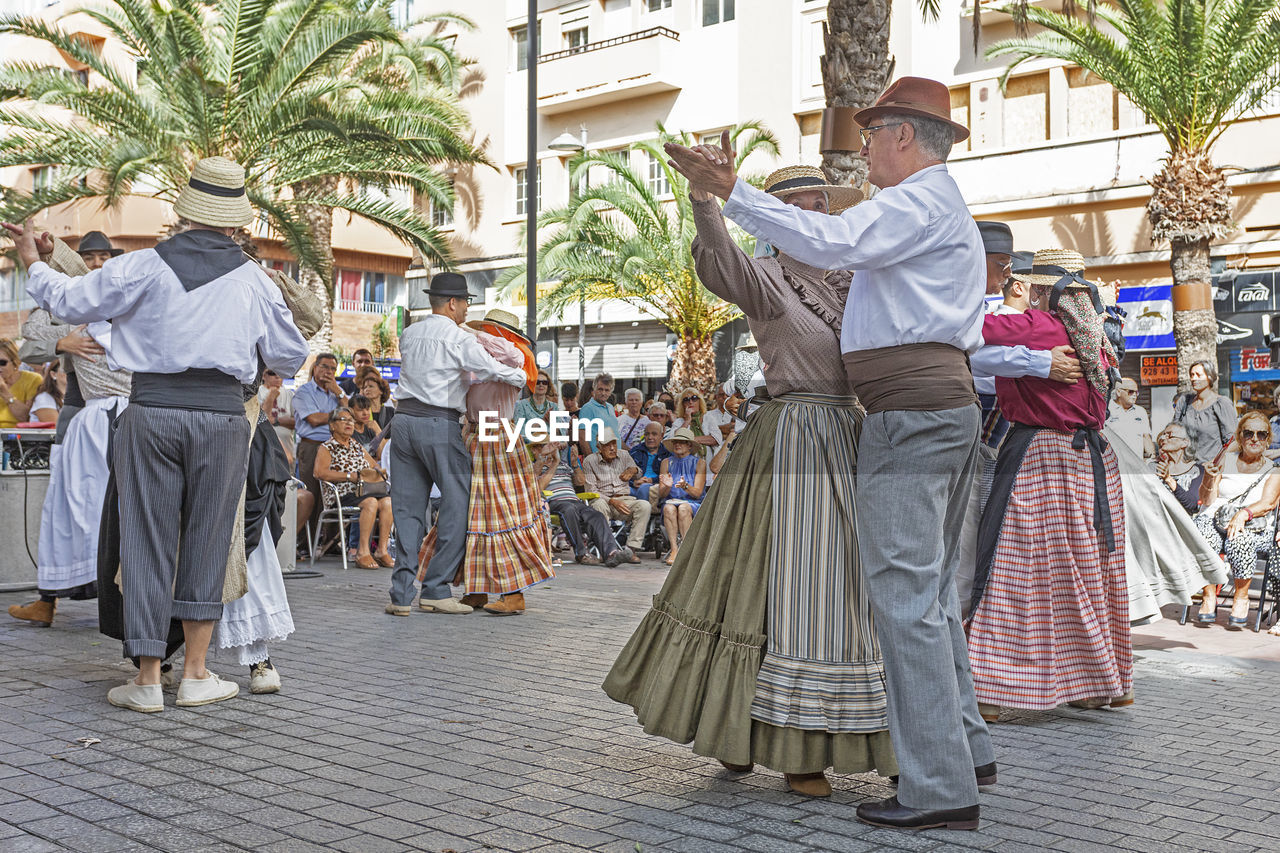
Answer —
(867, 132)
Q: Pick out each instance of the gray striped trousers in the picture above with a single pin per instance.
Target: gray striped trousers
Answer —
(179, 475)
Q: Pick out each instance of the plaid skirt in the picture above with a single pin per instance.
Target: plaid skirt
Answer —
(1052, 625)
(508, 537)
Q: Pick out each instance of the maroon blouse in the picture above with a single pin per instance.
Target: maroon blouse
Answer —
(1041, 402)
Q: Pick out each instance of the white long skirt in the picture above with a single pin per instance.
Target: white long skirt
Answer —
(72, 511)
(262, 614)
(1165, 557)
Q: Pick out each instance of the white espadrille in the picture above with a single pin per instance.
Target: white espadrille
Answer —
(204, 691)
(145, 698)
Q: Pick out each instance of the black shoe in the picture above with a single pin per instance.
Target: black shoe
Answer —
(892, 814)
(986, 775)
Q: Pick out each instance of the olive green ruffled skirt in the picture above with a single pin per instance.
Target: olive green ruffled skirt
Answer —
(689, 671)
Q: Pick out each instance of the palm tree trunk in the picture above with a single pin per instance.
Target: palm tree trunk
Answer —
(855, 69)
(319, 281)
(1195, 329)
(694, 364)
(1190, 205)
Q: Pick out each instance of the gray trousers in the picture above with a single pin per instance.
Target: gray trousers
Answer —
(915, 470)
(428, 451)
(179, 475)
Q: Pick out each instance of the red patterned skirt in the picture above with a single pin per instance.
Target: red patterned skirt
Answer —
(508, 537)
(1053, 623)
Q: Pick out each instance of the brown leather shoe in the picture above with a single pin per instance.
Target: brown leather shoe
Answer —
(508, 605)
(809, 784)
(475, 600)
(39, 611)
(385, 560)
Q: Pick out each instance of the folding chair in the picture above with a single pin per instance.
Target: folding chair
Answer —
(335, 515)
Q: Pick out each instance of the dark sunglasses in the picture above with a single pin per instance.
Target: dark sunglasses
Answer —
(541, 382)
(1254, 433)
(690, 399)
(4, 362)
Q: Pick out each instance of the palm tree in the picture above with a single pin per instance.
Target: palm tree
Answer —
(287, 88)
(621, 239)
(1193, 66)
(856, 68)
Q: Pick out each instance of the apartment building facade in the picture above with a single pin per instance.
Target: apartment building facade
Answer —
(1057, 153)
(370, 265)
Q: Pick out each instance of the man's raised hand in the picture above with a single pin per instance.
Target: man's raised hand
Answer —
(708, 169)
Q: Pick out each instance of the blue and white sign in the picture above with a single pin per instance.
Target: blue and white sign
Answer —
(1250, 364)
(1149, 325)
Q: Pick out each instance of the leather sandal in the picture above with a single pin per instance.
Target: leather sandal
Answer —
(365, 561)
(386, 561)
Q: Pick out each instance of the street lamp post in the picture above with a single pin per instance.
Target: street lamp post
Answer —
(565, 142)
(531, 179)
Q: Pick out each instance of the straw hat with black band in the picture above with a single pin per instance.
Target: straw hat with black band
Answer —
(215, 195)
(1060, 270)
(914, 96)
(802, 179)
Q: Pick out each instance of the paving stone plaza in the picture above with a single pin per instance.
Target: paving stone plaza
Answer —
(461, 733)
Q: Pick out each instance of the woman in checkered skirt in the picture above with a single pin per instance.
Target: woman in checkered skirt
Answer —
(1050, 614)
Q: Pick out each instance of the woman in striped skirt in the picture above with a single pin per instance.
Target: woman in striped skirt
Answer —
(760, 649)
(1050, 614)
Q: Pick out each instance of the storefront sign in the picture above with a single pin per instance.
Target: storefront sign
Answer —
(1159, 370)
(1250, 364)
(1252, 291)
(1149, 325)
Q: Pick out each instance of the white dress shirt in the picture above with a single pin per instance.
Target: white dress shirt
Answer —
(919, 269)
(712, 421)
(1009, 362)
(1131, 425)
(436, 356)
(158, 326)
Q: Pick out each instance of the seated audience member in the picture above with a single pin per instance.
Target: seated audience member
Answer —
(719, 423)
(1242, 489)
(312, 402)
(277, 404)
(682, 484)
(559, 476)
(667, 399)
(18, 387)
(659, 414)
(690, 411)
(360, 482)
(599, 409)
(378, 392)
(1177, 468)
(540, 405)
(360, 360)
(721, 456)
(366, 431)
(48, 402)
(648, 456)
(569, 397)
(632, 421)
(609, 475)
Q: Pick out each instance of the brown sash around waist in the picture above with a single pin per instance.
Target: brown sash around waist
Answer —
(927, 377)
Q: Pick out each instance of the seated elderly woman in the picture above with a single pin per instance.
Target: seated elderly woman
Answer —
(1177, 468)
(360, 481)
(682, 483)
(1239, 496)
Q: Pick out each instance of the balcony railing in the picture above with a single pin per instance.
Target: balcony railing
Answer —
(359, 306)
(601, 45)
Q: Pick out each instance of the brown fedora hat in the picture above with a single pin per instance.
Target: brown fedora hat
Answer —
(914, 96)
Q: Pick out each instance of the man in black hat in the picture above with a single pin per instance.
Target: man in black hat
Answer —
(997, 242)
(438, 360)
(45, 337)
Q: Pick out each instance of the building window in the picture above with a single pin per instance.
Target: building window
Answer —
(520, 36)
(716, 12)
(657, 181)
(442, 215)
(402, 12)
(522, 187)
(576, 38)
(44, 177)
(658, 5)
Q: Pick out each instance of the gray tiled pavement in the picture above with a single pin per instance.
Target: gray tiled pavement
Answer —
(479, 733)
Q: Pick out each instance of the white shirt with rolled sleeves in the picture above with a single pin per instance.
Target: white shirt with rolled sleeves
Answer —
(437, 357)
(919, 269)
(157, 326)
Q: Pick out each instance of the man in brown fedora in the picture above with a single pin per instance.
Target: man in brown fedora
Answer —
(913, 314)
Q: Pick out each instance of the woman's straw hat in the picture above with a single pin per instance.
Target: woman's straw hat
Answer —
(1043, 262)
(501, 318)
(803, 179)
(215, 195)
(682, 434)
